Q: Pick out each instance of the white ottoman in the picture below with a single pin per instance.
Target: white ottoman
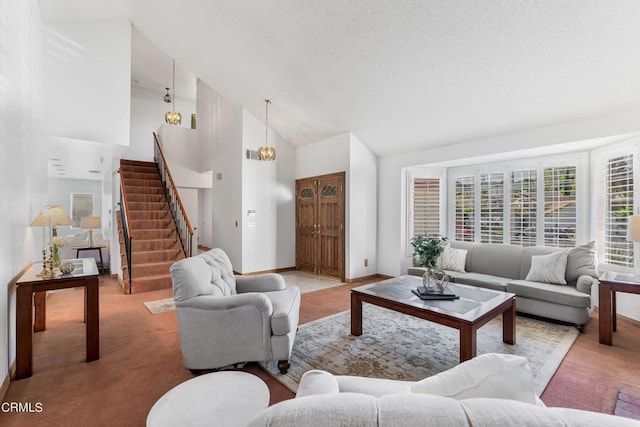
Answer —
(226, 398)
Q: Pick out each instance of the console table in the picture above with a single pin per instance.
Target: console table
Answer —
(92, 248)
(85, 274)
(610, 283)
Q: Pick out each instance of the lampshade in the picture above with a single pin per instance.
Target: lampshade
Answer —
(54, 215)
(90, 222)
(633, 228)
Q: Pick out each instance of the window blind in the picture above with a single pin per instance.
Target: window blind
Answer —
(619, 205)
(465, 208)
(560, 206)
(524, 197)
(426, 207)
(492, 207)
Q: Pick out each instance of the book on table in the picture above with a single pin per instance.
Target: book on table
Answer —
(422, 293)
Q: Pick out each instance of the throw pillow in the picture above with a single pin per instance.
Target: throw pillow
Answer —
(582, 260)
(452, 259)
(549, 268)
(502, 376)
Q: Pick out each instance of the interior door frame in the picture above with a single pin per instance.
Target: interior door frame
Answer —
(342, 242)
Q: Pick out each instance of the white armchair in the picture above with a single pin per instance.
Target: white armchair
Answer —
(225, 319)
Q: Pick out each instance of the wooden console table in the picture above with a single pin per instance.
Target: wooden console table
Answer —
(85, 274)
(610, 283)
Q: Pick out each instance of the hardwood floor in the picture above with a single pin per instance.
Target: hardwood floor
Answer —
(140, 360)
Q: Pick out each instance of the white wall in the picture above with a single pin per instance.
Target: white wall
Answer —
(362, 207)
(268, 235)
(23, 155)
(87, 90)
(345, 153)
(147, 115)
(60, 190)
(182, 151)
(219, 133)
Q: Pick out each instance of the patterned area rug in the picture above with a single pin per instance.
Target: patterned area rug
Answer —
(403, 347)
(160, 306)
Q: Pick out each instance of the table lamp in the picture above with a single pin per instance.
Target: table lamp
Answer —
(52, 215)
(90, 223)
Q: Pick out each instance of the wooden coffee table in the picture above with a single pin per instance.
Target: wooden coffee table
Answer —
(475, 307)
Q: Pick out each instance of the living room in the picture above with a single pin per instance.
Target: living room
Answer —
(545, 86)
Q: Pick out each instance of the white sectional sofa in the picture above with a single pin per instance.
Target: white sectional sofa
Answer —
(507, 268)
(489, 390)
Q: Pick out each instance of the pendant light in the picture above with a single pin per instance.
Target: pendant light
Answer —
(266, 152)
(172, 117)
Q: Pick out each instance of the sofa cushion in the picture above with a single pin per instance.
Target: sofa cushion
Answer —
(527, 253)
(397, 410)
(482, 280)
(503, 376)
(325, 410)
(582, 260)
(495, 259)
(484, 412)
(452, 259)
(372, 386)
(549, 268)
(316, 382)
(565, 295)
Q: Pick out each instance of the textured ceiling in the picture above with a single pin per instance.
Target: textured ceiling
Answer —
(405, 75)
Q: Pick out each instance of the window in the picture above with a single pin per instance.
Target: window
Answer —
(524, 197)
(492, 207)
(426, 206)
(560, 206)
(465, 208)
(619, 205)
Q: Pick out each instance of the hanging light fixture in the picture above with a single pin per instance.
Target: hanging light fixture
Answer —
(266, 152)
(172, 117)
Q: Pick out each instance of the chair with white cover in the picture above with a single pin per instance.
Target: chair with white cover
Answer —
(225, 319)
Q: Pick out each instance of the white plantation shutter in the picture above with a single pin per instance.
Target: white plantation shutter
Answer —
(492, 207)
(465, 208)
(524, 198)
(560, 206)
(619, 204)
(426, 207)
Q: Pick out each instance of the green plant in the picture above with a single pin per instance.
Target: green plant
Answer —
(428, 248)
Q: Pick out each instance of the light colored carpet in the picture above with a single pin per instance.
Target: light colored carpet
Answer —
(403, 347)
(160, 306)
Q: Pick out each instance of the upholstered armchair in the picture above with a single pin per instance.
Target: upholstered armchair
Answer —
(225, 319)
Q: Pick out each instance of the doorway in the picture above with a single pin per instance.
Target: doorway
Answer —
(320, 219)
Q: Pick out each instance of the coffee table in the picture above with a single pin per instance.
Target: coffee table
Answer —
(475, 307)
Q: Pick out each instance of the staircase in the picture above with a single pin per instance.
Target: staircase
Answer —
(155, 244)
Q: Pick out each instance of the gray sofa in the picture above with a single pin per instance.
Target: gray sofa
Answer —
(505, 268)
(480, 392)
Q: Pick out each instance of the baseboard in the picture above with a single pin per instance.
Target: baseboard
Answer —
(372, 276)
(5, 383)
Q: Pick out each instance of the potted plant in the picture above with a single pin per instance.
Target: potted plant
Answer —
(428, 249)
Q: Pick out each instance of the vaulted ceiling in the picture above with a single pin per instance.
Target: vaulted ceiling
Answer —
(402, 75)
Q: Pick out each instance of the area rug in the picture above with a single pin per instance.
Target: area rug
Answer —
(403, 347)
(160, 306)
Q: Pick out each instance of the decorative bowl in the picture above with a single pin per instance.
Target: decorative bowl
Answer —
(66, 268)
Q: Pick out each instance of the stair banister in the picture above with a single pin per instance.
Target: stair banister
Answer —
(124, 208)
(180, 217)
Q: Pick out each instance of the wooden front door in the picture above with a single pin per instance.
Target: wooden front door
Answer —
(320, 225)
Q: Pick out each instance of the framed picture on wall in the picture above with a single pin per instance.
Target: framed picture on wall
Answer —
(81, 206)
